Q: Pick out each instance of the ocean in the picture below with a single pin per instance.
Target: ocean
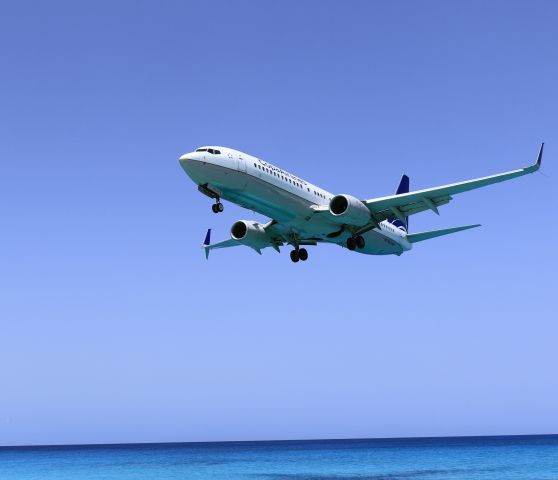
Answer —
(463, 458)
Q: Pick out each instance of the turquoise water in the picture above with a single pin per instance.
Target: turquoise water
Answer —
(469, 458)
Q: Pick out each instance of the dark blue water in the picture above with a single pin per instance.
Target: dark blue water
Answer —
(465, 458)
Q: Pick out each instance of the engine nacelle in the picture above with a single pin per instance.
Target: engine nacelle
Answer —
(349, 210)
(250, 233)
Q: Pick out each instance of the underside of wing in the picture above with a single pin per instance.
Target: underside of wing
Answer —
(207, 246)
(258, 236)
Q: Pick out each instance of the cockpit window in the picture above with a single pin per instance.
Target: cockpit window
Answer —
(210, 150)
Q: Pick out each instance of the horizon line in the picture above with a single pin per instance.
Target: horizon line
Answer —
(305, 440)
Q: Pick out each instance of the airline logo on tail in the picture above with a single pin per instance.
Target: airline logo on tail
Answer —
(402, 188)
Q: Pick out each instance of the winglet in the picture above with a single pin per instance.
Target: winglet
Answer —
(539, 158)
(206, 242)
(537, 165)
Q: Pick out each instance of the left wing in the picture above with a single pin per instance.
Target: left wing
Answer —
(406, 204)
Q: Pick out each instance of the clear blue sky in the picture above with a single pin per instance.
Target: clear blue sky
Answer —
(114, 327)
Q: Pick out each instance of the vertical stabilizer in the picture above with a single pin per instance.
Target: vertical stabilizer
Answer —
(402, 188)
(403, 185)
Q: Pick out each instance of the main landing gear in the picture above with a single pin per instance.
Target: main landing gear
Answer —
(217, 207)
(356, 242)
(299, 254)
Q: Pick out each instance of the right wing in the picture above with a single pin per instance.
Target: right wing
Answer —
(406, 204)
(277, 237)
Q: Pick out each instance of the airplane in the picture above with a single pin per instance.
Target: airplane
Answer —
(302, 214)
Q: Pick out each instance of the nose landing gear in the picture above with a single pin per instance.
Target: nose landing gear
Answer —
(217, 207)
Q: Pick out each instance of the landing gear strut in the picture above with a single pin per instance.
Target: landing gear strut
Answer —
(299, 254)
(356, 242)
(217, 207)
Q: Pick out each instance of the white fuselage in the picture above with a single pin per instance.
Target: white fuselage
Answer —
(271, 191)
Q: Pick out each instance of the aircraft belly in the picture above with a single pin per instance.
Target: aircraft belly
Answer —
(269, 200)
(275, 202)
(250, 192)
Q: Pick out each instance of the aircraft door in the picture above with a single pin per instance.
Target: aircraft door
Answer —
(241, 163)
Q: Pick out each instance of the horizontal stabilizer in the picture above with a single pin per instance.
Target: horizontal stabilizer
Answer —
(419, 237)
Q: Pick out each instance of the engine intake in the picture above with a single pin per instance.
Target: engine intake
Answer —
(349, 210)
(239, 230)
(250, 233)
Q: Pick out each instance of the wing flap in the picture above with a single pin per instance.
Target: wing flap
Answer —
(411, 208)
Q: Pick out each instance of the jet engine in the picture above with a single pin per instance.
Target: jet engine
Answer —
(349, 210)
(250, 233)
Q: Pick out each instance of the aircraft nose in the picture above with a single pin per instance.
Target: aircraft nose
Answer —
(187, 159)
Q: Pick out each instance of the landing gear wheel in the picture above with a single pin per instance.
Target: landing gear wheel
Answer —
(351, 243)
(360, 243)
(294, 256)
(217, 207)
(303, 254)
